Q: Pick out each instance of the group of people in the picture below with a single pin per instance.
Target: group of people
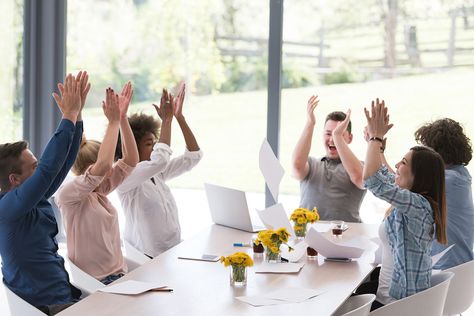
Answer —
(429, 192)
(134, 158)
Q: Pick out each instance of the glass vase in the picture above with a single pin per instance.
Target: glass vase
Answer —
(300, 230)
(272, 257)
(238, 275)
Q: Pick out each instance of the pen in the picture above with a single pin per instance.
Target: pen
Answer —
(162, 290)
(241, 244)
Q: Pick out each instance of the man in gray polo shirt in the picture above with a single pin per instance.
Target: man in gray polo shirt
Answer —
(333, 184)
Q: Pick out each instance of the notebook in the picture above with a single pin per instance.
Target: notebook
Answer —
(229, 208)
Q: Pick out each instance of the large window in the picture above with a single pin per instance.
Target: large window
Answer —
(11, 80)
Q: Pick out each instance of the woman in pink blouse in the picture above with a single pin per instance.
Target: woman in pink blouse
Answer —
(90, 220)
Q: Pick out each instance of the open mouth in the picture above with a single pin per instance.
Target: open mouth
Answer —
(332, 148)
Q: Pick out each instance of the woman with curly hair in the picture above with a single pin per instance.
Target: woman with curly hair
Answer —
(447, 137)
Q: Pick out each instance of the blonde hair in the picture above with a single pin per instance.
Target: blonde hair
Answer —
(87, 156)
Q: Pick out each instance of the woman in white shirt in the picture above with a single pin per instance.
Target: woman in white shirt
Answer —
(151, 214)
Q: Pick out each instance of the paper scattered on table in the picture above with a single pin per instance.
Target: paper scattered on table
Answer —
(278, 267)
(436, 257)
(321, 227)
(131, 287)
(274, 217)
(299, 250)
(281, 296)
(271, 168)
(330, 249)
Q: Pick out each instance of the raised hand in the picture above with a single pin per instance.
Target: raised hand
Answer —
(378, 120)
(69, 99)
(341, 127)
(111, 106)
(179, 100)
(124, 99)
(85, 86)
(167, 105)
(312, 104)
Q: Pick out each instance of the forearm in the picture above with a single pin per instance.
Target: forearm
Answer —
(372, 159)
(188, 135)
(129, 146)
(351, 164)
(165, 134)
(301, 152)
(106, 152)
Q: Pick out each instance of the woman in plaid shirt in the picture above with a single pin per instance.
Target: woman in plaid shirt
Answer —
(416, 193)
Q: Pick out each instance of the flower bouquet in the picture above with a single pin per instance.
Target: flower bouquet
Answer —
(301, 217)
(272, 240)
(239, 262)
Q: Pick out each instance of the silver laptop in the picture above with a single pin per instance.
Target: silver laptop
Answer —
(229, 208)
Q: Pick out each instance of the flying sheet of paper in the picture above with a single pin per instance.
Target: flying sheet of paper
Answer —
(131, 287)
(281, 296)
(330, 249)
(299, 250)
(271, 168)
(322, 227)
(274, 217)
(378, 252)
(436, 257)
(279, 267)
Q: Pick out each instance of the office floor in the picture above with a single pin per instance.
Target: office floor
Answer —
(194, 216)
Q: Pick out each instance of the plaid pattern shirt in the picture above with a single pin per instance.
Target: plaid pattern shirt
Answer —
(410, 230)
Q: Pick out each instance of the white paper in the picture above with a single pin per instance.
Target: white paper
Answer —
(131, 287)
(378, 252)
(279, 267)
(436, 257)
(299, 250)
(322, 227)
(281, 296)
(271, 168)
(275, 217)
(330, 249)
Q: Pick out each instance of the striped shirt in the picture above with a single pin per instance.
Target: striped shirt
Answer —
(410, 230)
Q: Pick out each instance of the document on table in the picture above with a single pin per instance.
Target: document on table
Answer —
(299, 250)
(274, 217)
(330, 249)
(131, 287)
(279, 267)
(281, 296)
(436, 257)
(271, 168)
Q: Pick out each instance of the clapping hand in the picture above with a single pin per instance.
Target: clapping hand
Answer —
(378, 120)
(179, 100)
(312, 104)
(124, 99)
(69, 99)
(111, 106)
(341, 126)
(167, 106)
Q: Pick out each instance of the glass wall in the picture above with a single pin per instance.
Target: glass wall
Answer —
(11, 69)
(416, 55)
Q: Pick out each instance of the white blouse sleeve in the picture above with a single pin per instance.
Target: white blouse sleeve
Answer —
(182, 164)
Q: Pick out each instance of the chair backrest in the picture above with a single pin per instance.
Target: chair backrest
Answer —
(461, 289)
(133, 254)
(429, 302)
(20, 307)
(358, 305)
(82, 280)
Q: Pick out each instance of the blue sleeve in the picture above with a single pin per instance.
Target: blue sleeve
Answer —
(19, 201)
(70, 159)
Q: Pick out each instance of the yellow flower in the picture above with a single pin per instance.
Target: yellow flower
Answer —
(302, 216)
(272, 239)
(237, 259)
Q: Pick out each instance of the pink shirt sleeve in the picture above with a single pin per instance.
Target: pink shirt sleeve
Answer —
(73, 192)
(115, 177)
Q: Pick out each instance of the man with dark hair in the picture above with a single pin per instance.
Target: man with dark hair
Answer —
(332, 184)
(31, 265)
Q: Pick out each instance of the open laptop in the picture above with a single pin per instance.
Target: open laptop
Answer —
(229, 208)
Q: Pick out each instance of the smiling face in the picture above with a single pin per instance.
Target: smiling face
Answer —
(145, 146)
(404, 176)
(331, 151)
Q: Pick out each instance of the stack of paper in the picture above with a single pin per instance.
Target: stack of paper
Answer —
(281, 296)
(132, 287)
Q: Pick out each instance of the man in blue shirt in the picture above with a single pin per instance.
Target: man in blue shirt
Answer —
(31, 265)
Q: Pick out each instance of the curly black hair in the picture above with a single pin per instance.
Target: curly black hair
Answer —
(141, 125)
(446, 136)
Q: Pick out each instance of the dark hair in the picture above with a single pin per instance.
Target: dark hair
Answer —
(447, 138)
(10, 161)
(427, 167)
(141, 124)
(338, 116)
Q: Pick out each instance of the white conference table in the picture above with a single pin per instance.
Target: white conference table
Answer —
(202, 288)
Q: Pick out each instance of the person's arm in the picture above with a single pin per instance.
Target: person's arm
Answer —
(377, 127)
(351, 164)
(105, 156)
(73, 192)
(84, 87)
(382, 149)
(129, 146)
(179, 165)
(301, 153)
(191, 143)
(165, 111)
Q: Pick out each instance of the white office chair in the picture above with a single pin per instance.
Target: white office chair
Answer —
(20, 307)
(133, 254)
(82, 280)
(429, 302)
(358, 305)
(461, 289)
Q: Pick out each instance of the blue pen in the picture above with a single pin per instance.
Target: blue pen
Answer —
(241, 244)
